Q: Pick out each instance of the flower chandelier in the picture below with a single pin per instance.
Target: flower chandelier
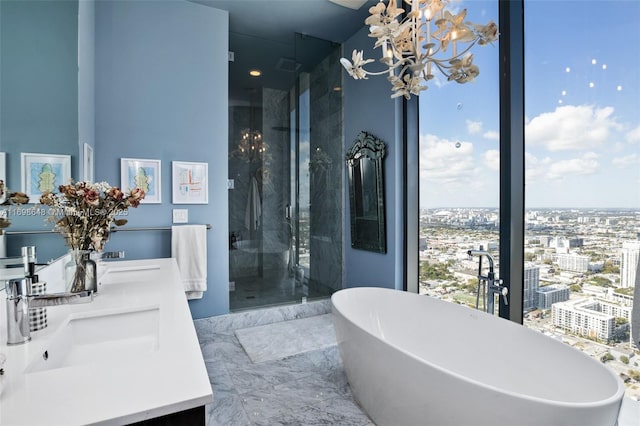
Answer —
(412, 49)
(251, 146)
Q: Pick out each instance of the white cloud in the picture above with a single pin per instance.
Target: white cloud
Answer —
(474, 127)
(492, 159)
(492, 135)
(585, 165)
(442, 162)
(549, 170)
(453, 174)
(535, 169)
(626, 161)
(618, 147)
(571, 128)
(633, 136)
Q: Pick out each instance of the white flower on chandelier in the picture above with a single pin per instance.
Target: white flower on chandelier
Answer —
(411, 47)
(355, 69)
(463, 70)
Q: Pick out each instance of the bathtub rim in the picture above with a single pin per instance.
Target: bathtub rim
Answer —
(618, 394)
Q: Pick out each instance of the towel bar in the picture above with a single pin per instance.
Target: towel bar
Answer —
(151, 228)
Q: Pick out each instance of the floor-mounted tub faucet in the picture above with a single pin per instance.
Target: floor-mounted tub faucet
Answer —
(14, 271)
(493, 284)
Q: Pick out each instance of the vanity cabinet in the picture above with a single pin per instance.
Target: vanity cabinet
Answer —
(131, 356)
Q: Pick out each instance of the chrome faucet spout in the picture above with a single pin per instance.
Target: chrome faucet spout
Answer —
(20, 299)
(108, 255)
(486, 254)
(494, 285)
(56, 299)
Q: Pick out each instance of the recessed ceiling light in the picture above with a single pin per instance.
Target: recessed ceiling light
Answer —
(255, 73)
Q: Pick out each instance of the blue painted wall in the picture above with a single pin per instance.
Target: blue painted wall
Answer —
(39, 84)
(38, 98)
(161, 87)
(160, 92)
(368, 106)
(86, 78)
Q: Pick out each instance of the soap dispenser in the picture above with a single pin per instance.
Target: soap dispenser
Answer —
(37, 316)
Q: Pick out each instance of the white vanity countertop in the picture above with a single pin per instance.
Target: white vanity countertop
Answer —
(133, 385)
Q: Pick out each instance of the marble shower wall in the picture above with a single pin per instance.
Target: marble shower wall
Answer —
(326, 171)
(276, 182)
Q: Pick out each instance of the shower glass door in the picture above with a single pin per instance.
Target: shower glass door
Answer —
(285, 197)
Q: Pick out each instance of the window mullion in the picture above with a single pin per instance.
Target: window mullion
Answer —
(511, 13)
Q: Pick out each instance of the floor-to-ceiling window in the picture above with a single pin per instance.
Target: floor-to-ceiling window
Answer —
(582, 173)
(582, 159)
(459, 176)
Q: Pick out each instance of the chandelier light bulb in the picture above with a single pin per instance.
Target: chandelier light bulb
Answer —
(428, 15)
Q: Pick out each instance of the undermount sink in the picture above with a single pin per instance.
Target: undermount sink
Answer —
(111, 274)
(100, 337)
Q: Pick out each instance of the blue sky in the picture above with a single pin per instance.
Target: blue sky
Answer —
(582, 108)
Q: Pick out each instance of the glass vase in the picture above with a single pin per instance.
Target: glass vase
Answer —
(80, 272)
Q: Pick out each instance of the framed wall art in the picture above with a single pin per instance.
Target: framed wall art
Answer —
(189, 182)
(44, 173)
(144, 174)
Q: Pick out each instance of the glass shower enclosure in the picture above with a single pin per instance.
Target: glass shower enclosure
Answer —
(286, 173)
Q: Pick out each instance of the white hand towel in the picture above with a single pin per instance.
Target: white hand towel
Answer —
(189, 248)
(253, 212)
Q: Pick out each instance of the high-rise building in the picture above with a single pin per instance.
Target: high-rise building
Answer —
(531, 285)
(573, 262)
(629, 256)
(548, 295)
(588, 317)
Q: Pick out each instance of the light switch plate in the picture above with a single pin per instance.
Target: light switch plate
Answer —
(231, 184)
(180, 215)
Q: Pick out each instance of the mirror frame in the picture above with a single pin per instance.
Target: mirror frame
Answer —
(368, 232)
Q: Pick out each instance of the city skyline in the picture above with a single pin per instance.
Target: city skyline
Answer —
(582, 127)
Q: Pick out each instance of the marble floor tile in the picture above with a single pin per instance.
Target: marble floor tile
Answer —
(309, 388)
(219, 378)
(224, 348)
(244, 319)
(227, 410)
(287, 338)
(252, 376)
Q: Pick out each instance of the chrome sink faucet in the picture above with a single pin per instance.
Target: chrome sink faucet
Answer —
(108, 255)
(14, 271)
(494, 285)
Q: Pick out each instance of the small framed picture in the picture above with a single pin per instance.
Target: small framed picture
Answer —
(143, 174)
(87, 163)
(189, 182)
(44, 173)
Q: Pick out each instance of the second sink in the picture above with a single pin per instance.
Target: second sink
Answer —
(100, 337)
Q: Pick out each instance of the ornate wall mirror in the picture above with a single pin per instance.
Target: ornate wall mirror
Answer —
(366, 193)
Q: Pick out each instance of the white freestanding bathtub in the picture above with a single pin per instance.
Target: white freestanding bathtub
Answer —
(416, 360)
